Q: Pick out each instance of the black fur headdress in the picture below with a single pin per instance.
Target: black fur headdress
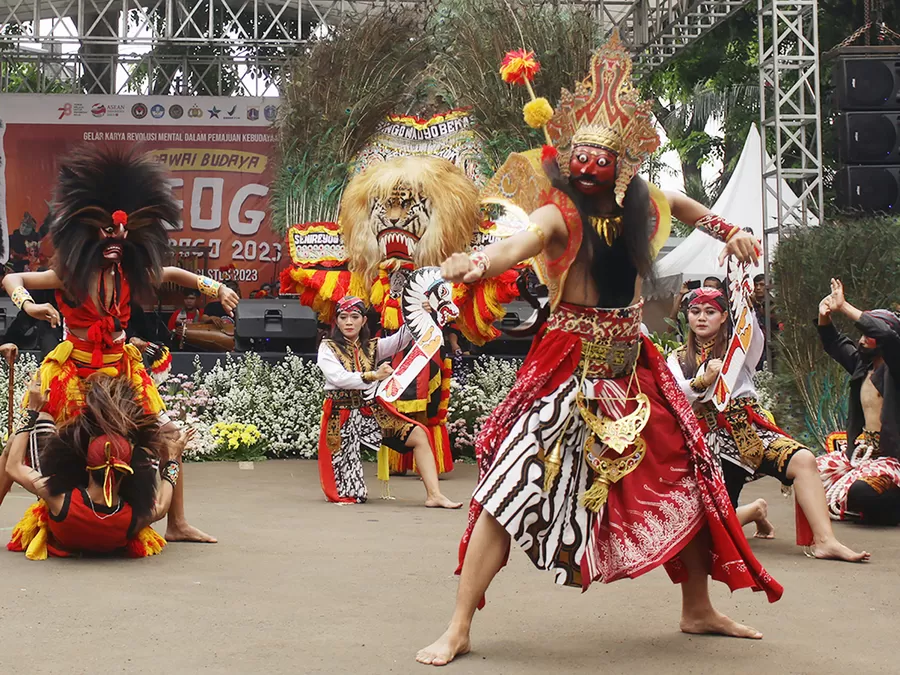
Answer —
(95, 182)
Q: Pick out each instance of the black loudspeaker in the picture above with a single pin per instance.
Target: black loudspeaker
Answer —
(275, 319)
(869, 137)
(868, 82)
(869, 188)
(517, 313)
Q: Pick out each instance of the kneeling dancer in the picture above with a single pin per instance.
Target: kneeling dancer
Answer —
(594, 463)
(96, 477)
(353, 419)
(863, 483)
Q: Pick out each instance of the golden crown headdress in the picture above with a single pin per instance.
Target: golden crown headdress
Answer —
(606, 111)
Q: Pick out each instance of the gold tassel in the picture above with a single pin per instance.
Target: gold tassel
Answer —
(597, 494)
(384, 463)
(384, 471)
(553, 463)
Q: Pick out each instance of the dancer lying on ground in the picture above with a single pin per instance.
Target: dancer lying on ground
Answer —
(109, 232)
(864, 482)
(352, 419)
(594, 464)
(95, 477)
(746, 442)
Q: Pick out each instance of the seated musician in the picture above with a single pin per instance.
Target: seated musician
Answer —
(190, 313)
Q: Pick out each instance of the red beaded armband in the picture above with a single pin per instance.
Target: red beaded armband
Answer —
(717, 227)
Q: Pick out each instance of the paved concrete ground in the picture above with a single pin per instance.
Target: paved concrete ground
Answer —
(300, 586)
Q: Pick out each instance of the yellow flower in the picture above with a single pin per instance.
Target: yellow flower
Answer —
(537, 113)
(233, 444)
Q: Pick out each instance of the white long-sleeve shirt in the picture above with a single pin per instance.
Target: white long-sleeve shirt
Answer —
(743, 387)
(338, 377)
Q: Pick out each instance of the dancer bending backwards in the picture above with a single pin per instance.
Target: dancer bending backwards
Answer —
(353, 419)
(746, 442)
(864, 482)
(96, 478)
(109, 232)
(594, 463)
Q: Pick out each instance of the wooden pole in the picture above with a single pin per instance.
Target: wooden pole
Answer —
(10, 417)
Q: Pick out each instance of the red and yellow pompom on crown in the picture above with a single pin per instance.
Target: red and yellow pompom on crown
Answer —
(605, 111)
(519, 67)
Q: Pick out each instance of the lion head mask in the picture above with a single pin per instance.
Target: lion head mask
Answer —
(409, 209)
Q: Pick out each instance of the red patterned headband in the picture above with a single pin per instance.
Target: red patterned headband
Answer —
(710, 296)
(350, 303)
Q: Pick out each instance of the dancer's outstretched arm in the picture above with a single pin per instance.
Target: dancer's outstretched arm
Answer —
(16, 286)
(36, 281)
(205, 285)
(738, 243)
(547, 231)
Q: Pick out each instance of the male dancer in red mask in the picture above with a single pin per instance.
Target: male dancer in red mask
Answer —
(594, 464)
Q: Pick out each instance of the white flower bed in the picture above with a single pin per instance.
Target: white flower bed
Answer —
(284, 401)
(25, 368)
(474, 394)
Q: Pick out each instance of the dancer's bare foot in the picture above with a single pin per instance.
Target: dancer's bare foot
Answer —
(447, 647)
(764, 528)
(441, 502)
(716, 623)
(185, 532)
(835, 550)
(758, 512)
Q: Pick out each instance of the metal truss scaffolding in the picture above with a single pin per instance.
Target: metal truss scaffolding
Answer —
(790, 121)
(659, 29)
(222, 47)
(790, 116)
(205, 47)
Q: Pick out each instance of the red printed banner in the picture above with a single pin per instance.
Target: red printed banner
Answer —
(218, 150)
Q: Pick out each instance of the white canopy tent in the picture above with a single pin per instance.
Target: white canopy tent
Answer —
(697, 257)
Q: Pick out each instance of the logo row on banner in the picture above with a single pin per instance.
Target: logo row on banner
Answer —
(175, 111)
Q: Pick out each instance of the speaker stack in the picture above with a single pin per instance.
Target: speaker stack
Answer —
(867, 90)
(273, 324)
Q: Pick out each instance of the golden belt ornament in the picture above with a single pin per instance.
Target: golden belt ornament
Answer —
(609, 471)
(615, 434)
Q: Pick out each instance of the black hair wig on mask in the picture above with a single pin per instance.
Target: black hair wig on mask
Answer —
(111, 407)
(613, 268)
(95, 182)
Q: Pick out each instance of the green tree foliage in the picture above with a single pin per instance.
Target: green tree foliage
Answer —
(336, 92)
(470, 40)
